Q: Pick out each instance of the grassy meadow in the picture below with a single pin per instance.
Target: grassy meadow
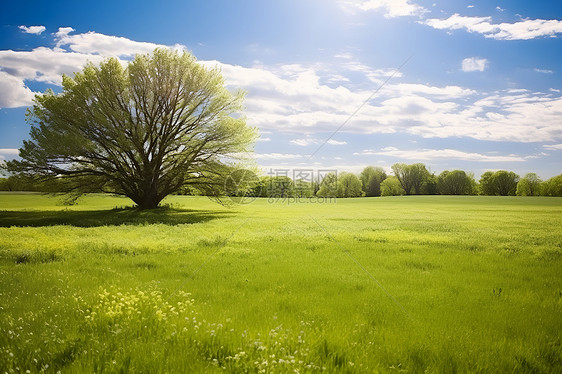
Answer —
(398, 284)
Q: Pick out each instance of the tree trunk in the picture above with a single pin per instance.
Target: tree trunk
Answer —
(149, 200)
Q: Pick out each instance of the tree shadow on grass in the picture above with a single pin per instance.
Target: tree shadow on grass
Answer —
(113, 217)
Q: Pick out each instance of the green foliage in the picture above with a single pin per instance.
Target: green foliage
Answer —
(201, 288)
(500, 183)
(391, 187)
(328, 186)
(145, 131)
(349, 185)
(371, 179)
(411, 177)
(277, 187)
(21, 183)
(455, 182)
(430, 185)
(529, 185)
(553, 186)
(303, 188)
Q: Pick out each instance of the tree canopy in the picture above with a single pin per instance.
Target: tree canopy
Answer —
(371, 179)
(529, 185)
(144, 131)
(348, 185)
(391, 187)
(455, 182)
(411, 177)
(501, 182)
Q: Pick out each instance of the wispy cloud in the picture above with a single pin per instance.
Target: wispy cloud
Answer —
(553, 147)
(521, 30)
(391, 8)
(8, 154)
(440, 154)
(32, 29)
(474, 64)
(105, 45)
(278, 156)
(309, 141)
(299, 99)
(544, 71)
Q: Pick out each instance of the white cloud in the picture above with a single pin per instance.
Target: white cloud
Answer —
(104, 45)
(9, 151)
(441, 154)
(13, 92)
(521, 30)
(470, 6)
(43, 64)
(474, 64)
(499, 8)
(544, 71)
(391, 8)
(303, 142)
(8, 154)
(553, 147)
(308, 141)
(554, 90)
(301, 100)
(345, 55)
(32, 29)
(47, 65)
(262, 139)
(297, 102)
(336, 142)
(277, 156)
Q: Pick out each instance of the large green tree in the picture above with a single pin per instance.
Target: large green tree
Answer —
(529, 185)
(501, 183)
(552, 187)
(328, 186)
(349, 185)
(455, 182)
(371, 179)
(143, 131)
(391, 187)
(411, 177)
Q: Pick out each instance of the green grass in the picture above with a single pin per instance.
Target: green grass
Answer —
(415, 284)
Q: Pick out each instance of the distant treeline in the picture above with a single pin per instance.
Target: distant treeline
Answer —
(413, 179)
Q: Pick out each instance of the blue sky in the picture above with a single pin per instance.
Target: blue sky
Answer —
(481, 89)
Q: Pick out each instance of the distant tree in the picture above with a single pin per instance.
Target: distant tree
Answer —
(505, 182)
(145, 131)
(411, 177)
(552, 187)
(455, 182)
(371, 179)
(487, 184)
(278, 187)
(348, 186)
(328, 186)
(303, 188)
(474, 187)
(500, 183)
(18, 183)
(391, 187)
(529, 185)
(429, 186)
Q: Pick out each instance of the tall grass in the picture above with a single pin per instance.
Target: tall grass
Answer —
(362, 285)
